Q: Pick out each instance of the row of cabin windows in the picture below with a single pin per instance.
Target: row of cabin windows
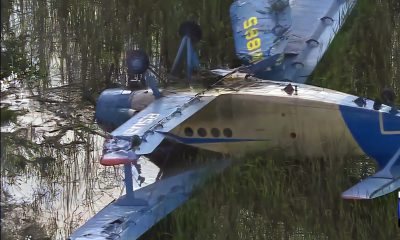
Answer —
(202, 132)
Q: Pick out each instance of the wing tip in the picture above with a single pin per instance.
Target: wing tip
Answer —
(355, 197)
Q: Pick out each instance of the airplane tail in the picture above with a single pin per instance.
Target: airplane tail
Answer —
(381, 183)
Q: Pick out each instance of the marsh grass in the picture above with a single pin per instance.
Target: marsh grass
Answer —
(364, 57)
(7, 115)
(272, 197)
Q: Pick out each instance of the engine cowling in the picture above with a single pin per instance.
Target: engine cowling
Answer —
(114, 107)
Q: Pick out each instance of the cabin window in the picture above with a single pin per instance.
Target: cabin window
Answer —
(188, 131)
(215, 132)
(202, 132)
(227, 132)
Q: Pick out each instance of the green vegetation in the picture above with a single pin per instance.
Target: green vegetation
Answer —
(90, 41)
(14, 58)
(7, 115)
(270, 197)
(364, 57)
(86, 42)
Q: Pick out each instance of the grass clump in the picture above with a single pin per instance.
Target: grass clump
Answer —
(7, 115)
(279, 198)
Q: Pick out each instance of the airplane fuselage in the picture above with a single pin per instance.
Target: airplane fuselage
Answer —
(311, 122)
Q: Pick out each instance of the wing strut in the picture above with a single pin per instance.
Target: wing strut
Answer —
(115, 154)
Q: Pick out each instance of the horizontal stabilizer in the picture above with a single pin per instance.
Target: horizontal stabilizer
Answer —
(372, 187)
(381, 183)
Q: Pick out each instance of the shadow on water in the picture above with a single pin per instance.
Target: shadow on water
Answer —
(57, 55)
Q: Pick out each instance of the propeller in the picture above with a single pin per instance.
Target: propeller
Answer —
(388, 96)
(191, 30)
(191, 34)
(137, 62)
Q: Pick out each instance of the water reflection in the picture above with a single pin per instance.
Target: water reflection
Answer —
(49, 168)
(53, 177)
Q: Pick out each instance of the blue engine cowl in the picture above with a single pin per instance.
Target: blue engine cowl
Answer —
(114, 107)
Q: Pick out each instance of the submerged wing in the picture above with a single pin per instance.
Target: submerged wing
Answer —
(299, 30)
(129, 222)
(381, 183)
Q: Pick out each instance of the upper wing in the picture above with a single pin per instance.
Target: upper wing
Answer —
(160, 116)
(301, 30)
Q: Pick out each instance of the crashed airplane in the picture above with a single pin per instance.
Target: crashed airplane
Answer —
(262, 105)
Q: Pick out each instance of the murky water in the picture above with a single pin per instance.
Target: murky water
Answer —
(51, 178)
(60, 54)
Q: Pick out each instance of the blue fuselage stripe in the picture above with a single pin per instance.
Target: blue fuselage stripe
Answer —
(195, 140)
(375, 132)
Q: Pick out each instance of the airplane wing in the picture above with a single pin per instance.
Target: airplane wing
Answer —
(298, 30)
(161, 197)
(381, 183)
(161, 116)
(115, 221)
